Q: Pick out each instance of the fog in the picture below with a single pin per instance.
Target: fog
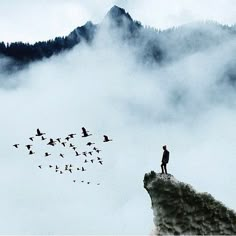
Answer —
(188, 105)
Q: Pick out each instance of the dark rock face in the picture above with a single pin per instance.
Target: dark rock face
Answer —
(121, 22)
(118, 14)
(179, 209)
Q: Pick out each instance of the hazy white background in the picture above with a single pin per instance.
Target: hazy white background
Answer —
(103, 88)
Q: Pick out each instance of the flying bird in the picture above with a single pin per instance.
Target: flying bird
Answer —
(85, 133)
(74, 180)
(59, 140)
(92, 160)
(88, 182)
(39, 133)
(50, 166)
(71, 135)
(71, 145)
(89, 143)
(85, 153)
(16, 145)
(100, 162)
(28, 146)
(61, 172)
(57, 167)
(90, 153)
(78, 168)
(95, 148)
(43, 138)
(31, 138)
(106, 139)
(61, 155)
(76, 153)
(99, 158)
(67, 138)
(51, 142)
(85, 161)
(40, 167)
(82, 181)
(47, 154)
(31, 152)
(98, 150)
(63, 143)
(70, 170)
(83, 169)
(66, 167)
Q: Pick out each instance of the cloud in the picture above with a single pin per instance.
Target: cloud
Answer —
(166, 14)
(105, 89)
(29, 21)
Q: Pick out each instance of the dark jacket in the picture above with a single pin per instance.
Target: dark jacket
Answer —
(165, 157)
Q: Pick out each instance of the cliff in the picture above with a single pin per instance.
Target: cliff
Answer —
(179, 209)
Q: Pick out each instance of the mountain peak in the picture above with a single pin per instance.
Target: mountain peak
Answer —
(116, 13)
(179, 209)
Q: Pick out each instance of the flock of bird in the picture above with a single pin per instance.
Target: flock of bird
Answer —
(89, 156)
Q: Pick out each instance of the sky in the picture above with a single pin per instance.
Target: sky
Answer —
(115, 95)
(30, 21)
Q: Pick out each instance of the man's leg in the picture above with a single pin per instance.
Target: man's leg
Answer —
(162, 170)
(165, 168)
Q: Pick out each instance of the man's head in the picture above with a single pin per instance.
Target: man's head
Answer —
(164, 147)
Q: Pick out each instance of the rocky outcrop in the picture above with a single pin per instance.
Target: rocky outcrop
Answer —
(179, 209)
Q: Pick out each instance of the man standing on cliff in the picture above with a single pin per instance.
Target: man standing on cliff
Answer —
(165, 160)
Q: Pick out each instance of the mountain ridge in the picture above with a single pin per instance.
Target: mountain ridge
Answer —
(154, 46)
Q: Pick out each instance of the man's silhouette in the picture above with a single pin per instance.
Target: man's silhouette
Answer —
(165, 160)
